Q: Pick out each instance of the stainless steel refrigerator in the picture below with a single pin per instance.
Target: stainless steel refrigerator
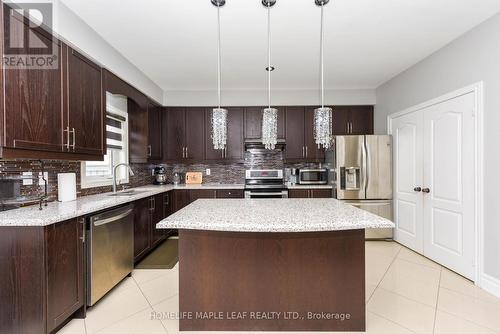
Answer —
(363, 176)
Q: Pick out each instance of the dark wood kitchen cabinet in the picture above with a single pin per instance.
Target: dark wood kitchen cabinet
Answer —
(155, 151)
(157, 214)
(138, 129)
(309, 193)
(300, 143)
(180, 198)
(353, 120)
(235, 128)
(185, 134)
(84, 118)
(253, 122)
(230, 193)
(142, 227)
(43, 280)
(195, 194)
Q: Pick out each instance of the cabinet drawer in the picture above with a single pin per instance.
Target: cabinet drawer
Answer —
(230, 193)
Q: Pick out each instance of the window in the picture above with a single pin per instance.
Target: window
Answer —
(100, 173)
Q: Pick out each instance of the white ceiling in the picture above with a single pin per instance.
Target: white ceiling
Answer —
(367, 41)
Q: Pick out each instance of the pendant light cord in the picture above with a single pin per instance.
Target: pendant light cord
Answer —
(322, 61)
(269, 54)
(218, 57)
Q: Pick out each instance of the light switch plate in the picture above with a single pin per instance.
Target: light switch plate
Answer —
(27, 182)
(208, 171)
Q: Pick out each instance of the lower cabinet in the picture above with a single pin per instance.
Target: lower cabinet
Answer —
(148, 212)
(230, 193)
(310, 193)
(42, 283)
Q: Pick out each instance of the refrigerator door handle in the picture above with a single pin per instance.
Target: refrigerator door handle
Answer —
(364, 163)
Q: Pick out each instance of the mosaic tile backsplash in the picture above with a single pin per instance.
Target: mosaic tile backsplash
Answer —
(225, 173)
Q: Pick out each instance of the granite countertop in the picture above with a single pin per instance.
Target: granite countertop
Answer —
(57, 212)
(272, 215)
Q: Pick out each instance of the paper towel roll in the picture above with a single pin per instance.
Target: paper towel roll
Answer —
(66, 185)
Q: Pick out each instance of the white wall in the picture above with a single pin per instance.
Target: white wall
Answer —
(471, 58)
(279, 97)
(76, 32)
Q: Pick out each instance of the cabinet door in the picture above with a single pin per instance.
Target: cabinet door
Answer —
(361, 119)
(295, 148)
(321, 193)
(155, 134)
(298, 193)
(340, 121)
(234, 149)
(85, 125)
(313, 153)
(195, 134)
(200, 193)
(32, 107)
(180, 199)
(64, 254)
(175, 132)
(157, 214)
(142, 226)
(138, 129)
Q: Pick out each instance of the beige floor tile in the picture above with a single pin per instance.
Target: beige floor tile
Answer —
(405, 312)
(411, 256)
(369, 290)
(122, 302)
(161, 288)
(376, 266)
(457, 283)
(135, 324)
(378, 325)
(75, 326)
(469, 308)
(450, 324)
(414, 281)
(382, 248)
(167, 310)
(146, 275)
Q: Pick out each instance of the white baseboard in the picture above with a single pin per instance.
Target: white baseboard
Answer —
(490, 284)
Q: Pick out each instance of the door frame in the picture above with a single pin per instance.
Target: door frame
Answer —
(480, 278)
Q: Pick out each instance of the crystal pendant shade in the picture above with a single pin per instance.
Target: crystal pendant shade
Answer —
(219, 128)
(270, 128)
(323, 127)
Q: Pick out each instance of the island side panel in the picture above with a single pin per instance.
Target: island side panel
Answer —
(231, 273)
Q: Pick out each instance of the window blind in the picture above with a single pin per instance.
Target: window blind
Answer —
(114, 131)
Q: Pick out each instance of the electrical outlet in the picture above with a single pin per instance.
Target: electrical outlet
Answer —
(41, 182)
(27, 182)
(208, 171)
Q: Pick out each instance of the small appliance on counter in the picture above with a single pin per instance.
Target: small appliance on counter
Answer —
(179, 178)
(66, 187)
(160, 175)
(313, 176)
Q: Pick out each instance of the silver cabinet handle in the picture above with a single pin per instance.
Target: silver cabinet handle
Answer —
(149, 150)
(303, 152)
(67, 137)
(350, 127)
(183, 152)
(186, 152)
(82, 238)
(74, 139)
(306, 152)
(347, 127)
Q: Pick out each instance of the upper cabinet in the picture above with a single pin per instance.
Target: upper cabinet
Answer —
(84, 117)
(235, 128)
(300, 143)
(185, 134)
(253, 122)
(155, 151)
(353, 120)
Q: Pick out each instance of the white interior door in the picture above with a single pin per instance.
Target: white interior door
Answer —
(449, 218)
(408, 175)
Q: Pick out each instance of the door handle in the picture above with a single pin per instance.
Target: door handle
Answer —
(149, 150)
(186, 152)
(306, 152)
(67, 137)
(417, 189)
(74, 139)
(303, 152)
(426, 190)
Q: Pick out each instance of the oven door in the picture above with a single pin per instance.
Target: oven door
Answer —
(266, 194)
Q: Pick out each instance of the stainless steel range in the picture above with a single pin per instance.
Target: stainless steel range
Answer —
(265, 183)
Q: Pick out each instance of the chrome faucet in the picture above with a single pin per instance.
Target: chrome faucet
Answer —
(131, 173)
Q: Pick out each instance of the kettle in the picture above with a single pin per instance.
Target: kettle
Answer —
(160, 174)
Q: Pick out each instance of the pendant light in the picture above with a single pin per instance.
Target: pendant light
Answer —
(322, 116)
(219, 115)
(269, 115)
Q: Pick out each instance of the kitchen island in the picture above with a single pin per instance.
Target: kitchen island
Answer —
(272, 264)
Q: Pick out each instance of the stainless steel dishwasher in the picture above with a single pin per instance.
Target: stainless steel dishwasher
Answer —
(110, 251)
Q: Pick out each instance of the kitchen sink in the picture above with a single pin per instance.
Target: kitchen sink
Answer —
(130, 192)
